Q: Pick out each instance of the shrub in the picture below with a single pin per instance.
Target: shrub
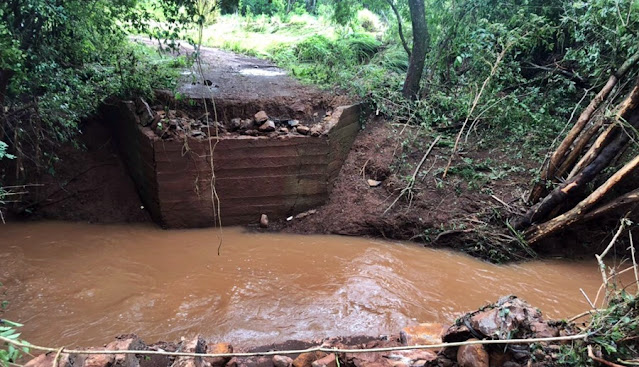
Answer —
(363, 46)
(369, 21)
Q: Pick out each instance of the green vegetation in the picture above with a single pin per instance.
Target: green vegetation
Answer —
(613, 333)
(552, 56)
(59, 62)
(9, 354)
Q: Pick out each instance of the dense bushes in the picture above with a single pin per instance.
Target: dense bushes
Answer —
(63, 59)
(554, 55)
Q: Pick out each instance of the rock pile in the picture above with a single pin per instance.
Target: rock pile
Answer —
(509, 318)
(169, 124)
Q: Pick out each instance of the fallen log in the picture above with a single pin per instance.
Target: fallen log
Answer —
(602, 141)
(577, 150)
(536, 233)
(622, 201)
(557, 157)
(628, 113)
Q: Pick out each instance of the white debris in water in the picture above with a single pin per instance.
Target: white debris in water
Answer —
(262, 72)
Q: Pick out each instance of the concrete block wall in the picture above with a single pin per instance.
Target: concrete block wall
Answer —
(279, 176)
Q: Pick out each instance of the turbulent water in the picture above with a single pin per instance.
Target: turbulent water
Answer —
(82, 284)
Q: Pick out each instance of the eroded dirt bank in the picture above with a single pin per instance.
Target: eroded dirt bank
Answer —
(380, 192)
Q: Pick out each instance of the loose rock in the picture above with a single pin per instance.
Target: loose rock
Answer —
(246, 124)
(196, 345)
(282, 361)
(235, 124)
(473, 355)
(145, 112)
(293, 123)
(305, 214)
(218, 348)
(373, 183)
(99, 360)
(261, 117)
(129, 342)
(307, 359)
(422, 334)
(251, 132)
(328, 361)
(317, 130)
(304, 130)
(268, 126)
(264, 221)
(46, 360)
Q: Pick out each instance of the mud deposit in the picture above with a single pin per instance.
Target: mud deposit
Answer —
(82, 284)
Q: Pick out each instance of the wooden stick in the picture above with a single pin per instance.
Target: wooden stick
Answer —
(587, 298)
(560, 153)
(580, 144)
(619, 202)
(410, 185)
(585, 313)
(493, 70)
(618, 273)
(601, 142)
(536, 233)
(602, 265)
(592, 356)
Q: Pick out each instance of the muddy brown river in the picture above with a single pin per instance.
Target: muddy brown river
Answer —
(81, 284)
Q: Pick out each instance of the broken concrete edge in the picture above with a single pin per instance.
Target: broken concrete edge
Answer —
(509, 318)
(254, 175)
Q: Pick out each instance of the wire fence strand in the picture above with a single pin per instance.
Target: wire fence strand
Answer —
(579, 336)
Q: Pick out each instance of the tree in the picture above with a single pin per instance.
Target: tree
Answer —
(60, 59)
(421, 41)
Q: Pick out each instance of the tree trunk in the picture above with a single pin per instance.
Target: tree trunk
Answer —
(421, 41)
(597, 146)
(399, 26)
(630, 198)
(5, 78)
(580, 144)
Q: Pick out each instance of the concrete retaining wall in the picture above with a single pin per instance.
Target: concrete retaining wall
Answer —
(278, 176)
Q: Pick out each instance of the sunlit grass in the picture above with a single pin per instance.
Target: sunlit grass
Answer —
(259, 35)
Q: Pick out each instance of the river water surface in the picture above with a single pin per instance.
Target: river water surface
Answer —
(80, 284)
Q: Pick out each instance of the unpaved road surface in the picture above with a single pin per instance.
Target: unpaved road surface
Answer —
(230, 76)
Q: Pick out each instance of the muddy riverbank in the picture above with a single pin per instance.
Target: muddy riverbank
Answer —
(435, 344)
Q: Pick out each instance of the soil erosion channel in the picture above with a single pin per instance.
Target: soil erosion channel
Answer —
(82, 284)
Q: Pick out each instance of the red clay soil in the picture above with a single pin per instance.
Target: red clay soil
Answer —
(462, 211)
(467, 210)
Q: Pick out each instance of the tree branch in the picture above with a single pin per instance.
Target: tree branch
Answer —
(399, 26)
